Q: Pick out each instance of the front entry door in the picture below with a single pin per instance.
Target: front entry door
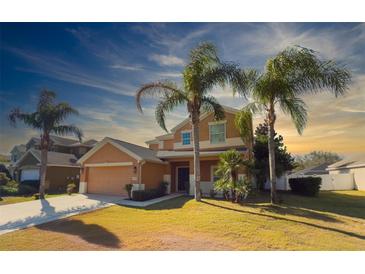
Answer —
(182, 178)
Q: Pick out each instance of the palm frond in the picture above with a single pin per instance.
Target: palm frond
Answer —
(46, 98)
(154, 89)
(167, 103)
(243, 123)
(254, 107)
(297, 109)
(204, 55)
(29, 119)
(62, 110)
(245, 82)
(67, 130)
(210, 104)
(307, 73)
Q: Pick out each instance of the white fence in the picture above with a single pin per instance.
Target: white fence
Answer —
(329, 181)
(333, 181)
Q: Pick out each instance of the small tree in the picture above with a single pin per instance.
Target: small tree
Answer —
(284, 160)
(316, 158)
(227, 171)
(48, 119)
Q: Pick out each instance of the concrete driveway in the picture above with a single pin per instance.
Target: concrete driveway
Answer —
(26, 214)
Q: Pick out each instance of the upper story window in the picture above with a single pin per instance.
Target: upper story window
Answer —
(186, 137)
(217, 133)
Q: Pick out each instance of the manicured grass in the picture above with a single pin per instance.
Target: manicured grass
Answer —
(332, 221)
(19, 199)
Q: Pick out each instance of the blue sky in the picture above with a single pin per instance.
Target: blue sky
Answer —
(97, 67)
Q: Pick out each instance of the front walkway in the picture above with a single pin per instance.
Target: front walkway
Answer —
(26, 214)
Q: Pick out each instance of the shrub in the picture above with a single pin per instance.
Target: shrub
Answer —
(4, 179)
(187, 187)
(144, 195)
(70, 188)
(128, 188)
(212, 193)
(3, 169)
(25, 189)
(243, 188)
(36, 196)
(163, 188)
(308, 186)
(10, 189)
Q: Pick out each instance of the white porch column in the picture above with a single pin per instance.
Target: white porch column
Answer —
(83, 187)
(192, 185)
(167, 179)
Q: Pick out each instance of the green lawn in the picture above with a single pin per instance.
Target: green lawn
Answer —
(19, 199)
(332, 221)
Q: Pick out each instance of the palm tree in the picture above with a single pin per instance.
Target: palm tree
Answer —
(48, 119)
(227, 171)
(243, 123)
(293, 72)
(203, 71)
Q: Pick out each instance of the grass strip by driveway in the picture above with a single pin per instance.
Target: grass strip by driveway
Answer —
(19, 199)
(332, 221)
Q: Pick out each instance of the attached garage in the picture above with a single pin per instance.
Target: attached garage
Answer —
(112, 164)
(109, 180)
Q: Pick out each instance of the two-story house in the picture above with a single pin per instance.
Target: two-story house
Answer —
(112, 163)
(61, 163)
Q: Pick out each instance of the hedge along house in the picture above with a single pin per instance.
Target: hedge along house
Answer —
(61, 169)
(112, 163)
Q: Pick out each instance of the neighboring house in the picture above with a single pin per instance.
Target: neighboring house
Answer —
(353, 165)
(63, 145)
(315, 170)
(61, 168)
(17, 152)
(112, 163)
(61, 149)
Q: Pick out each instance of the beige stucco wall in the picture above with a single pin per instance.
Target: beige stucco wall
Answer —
(109, 154)
(57, 177)
(152, 174)
(231, 131)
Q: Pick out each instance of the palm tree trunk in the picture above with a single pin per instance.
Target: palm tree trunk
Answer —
(195, 124)
(43, 168)
(271, 122)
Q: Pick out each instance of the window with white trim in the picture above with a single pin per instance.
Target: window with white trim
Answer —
(217, 133)
(186, 137)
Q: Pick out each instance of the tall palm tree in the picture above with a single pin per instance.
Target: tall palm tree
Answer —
(48, 119)
(293, 72)
(244, 125)
(203, 71)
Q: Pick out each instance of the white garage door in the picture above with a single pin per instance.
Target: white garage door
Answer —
(29, 174)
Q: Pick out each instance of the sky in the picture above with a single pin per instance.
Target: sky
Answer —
(97, 68)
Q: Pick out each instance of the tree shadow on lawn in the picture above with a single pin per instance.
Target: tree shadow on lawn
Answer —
(174, 203)
(92, 233)
(328, 202)
(348, 233)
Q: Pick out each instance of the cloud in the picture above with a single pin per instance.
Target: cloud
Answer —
(127, 67)
(170, 74)
(60, 69)
(166, 60)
